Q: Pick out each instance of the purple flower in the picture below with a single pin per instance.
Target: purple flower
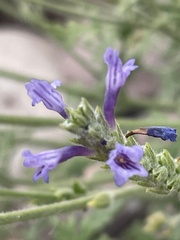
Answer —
(165, 133)
(124, 162)
(115, 79)
(48, 160)
(41, 90)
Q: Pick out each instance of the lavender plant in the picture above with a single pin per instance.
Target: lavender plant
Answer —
(98, 136)
(140, 27)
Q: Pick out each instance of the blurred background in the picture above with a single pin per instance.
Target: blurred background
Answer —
(66, 40)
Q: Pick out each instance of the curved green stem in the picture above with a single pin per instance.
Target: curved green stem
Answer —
(43, 211)
(61, 207)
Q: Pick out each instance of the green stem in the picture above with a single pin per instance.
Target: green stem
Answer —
(85, 64)
(74, 12)
(54, 122)
(151, 104)
(15, 76)
(42, 211)
(66, 206)
(94, 95)
(40, 142)
(73, 90)
(54, 196)
(30, 121)
(136, 123)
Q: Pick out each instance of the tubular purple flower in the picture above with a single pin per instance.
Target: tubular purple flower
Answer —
(48, 160)
(124, 162)
(115, 79)
(165, 133)
(41, 90)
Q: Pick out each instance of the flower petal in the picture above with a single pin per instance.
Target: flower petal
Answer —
(165, 133)
(124, 162)
(115, 79)
(41, 172)
(49, 160)
(41, 90)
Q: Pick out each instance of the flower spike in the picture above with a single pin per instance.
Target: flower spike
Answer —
(41, 90)
(165, 133)
(48, 160)
(115, 79)
(124, 162)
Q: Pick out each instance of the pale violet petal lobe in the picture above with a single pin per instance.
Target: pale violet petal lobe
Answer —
(41, 90)
(124, 162)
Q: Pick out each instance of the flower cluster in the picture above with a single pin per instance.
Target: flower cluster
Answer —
(95, 130)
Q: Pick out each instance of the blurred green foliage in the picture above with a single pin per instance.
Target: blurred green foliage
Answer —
(146, 30)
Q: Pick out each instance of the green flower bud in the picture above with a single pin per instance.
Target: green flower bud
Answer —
(101, 200)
